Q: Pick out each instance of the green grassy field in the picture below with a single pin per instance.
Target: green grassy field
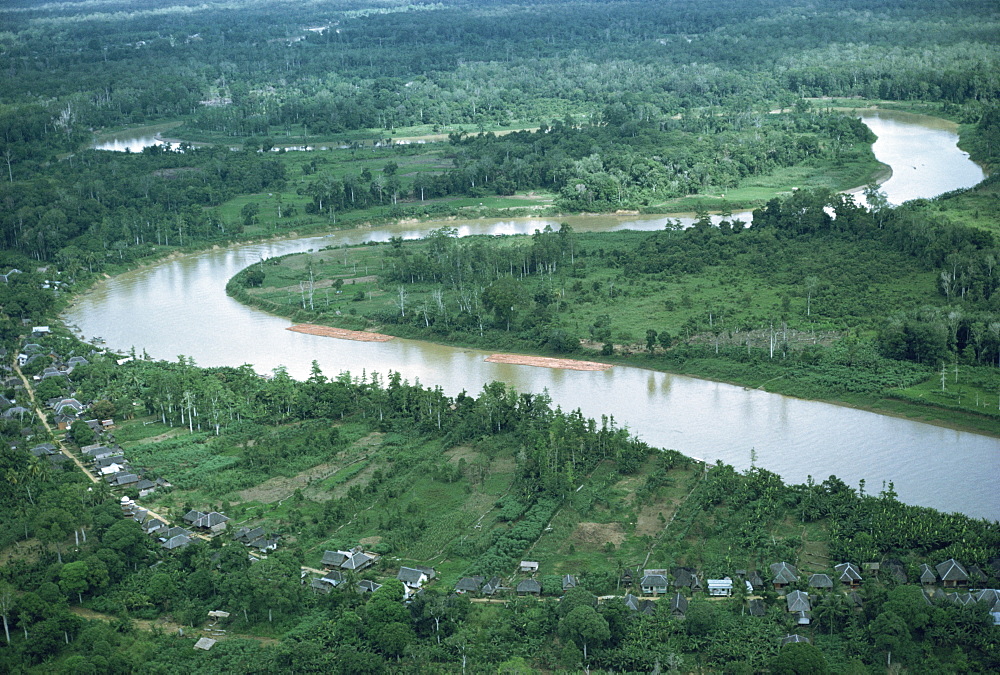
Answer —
(419, 502)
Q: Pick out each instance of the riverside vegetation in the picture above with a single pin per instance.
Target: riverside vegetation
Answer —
(820, 299)
(467, 485)
(538, 108)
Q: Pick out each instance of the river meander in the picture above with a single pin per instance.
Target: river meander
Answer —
(179, 306)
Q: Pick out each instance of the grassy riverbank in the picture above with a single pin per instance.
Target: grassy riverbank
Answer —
(775, 327)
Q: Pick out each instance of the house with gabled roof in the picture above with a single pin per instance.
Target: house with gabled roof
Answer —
(757, 607)
(798, 601)
(153, 526)
(792, 639)
(529, 587)
(755, 580)
(492, 586)
(848, 574)
(631, 601)
(653, 584)
(684, 577)
(820, 581)
(720, 587)
(358, 562)
(366, 586)
(179, 541)
(988, 596)
(212, 521)
(529, 566)
(927, 575)
(319, 586)
(123, 478)
(68, 406)
(678, 605)
(412, 578)
(327, 582)
(43, 450)
(333, 559)
(17, 412)
(952, 574)
(333, 577)
(783, 574)
(568, 582)
(469, 584)
(265, 543)
(248, 535)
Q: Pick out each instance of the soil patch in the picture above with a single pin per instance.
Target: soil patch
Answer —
(546, 362)
(460, 452)
(370, 541)
(328, 283)
(341, 333)
(282, 487)
(166, 626)
(648, 519)
(360, 479)
(598, 534)
(161, 437)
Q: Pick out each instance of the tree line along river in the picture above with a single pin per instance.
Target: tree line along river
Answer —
(179, 306)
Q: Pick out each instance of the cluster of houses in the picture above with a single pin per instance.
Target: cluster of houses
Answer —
(169, 537)
(257, 538)
(109, 464)
(480, 585)
(672, 587)
(336, 563)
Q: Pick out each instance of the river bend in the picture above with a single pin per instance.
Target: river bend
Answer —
(179, 306)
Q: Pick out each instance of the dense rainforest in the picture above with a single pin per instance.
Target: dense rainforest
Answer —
(151, 506)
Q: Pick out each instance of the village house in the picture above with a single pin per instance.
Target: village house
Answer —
(684, 577)
(952, 574)
(793, 639)
(568, 582)
(354, 560)
(678, 606)
(848, 575)
(492, 586)
(783, 574)
(820, 582)
(469, 584)
(413, 579)
(327, 582)
(927, 575)
(529, 587)
(798, 603)
(529, 566)
(213, 521)
(654, 583)
(367, 586)
(720, 587)
(333, 559)
(358, 561)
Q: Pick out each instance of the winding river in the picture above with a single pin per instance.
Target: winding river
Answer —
(180, 306)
